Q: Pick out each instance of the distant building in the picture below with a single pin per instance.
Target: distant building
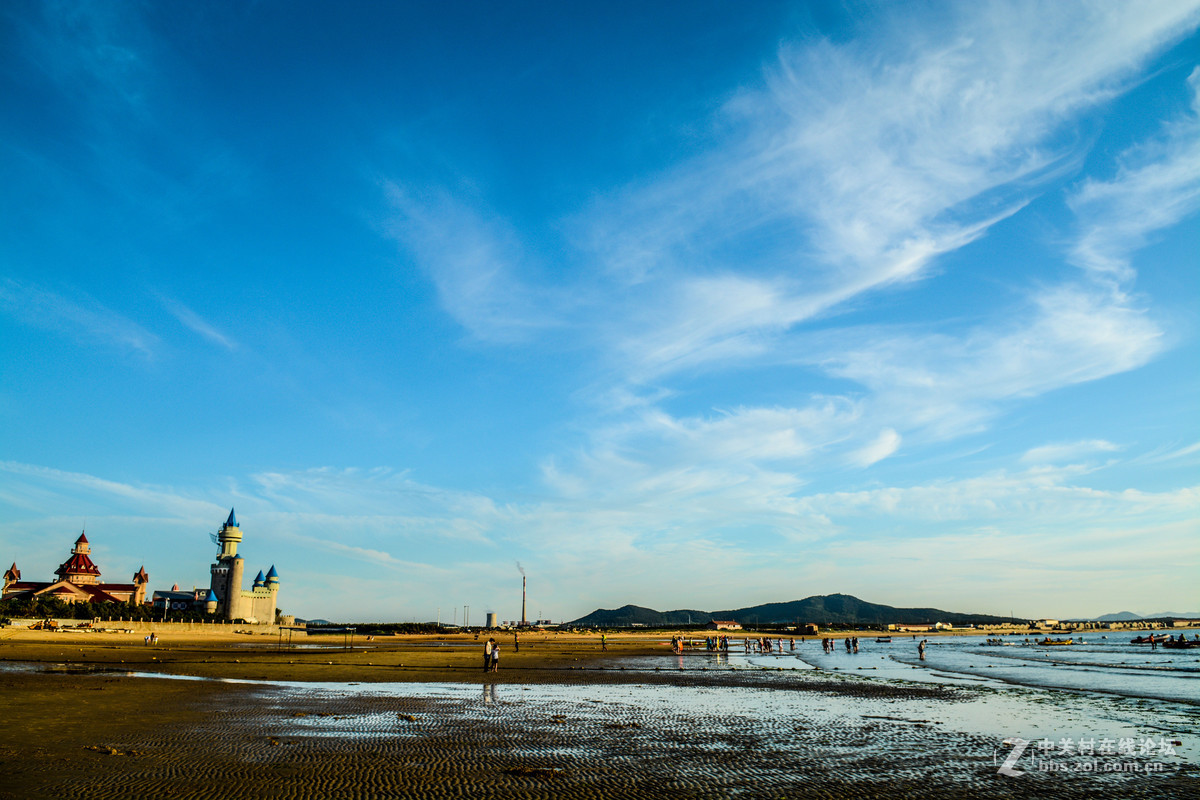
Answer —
(724, 625)
(194, 600)
(78, 582)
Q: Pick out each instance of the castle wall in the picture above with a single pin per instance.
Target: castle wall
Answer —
(259, 605)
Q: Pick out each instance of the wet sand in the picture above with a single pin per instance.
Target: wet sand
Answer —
(567, 722)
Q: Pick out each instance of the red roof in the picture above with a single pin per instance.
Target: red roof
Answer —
(78, 564)
(82, 538)
(96, 593)
(99, 595)
(24, 586)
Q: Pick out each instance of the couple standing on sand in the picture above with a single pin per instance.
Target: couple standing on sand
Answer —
(491, 656)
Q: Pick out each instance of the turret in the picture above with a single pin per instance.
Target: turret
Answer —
(12, 576)
(229, 536)
(140, 579)
(259, 580)
(79, 569)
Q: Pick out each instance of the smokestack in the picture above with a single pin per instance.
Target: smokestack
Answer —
(523, 622)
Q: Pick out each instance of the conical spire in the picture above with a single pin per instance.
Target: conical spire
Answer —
(232, 521)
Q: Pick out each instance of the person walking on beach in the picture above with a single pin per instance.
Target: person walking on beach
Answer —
(487, 654)
(921, 649)
(516, 643)
(496, 657)
(604, 641)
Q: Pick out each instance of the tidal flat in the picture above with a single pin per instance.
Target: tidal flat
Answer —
(564, 720)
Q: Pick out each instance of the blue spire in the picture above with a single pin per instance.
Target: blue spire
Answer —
(272, 575)
(259, 579)
(232, 521)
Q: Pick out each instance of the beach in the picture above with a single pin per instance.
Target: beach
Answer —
(107, 716)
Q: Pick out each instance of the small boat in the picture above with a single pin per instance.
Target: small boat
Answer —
(883, 638)
(1048, 641)
(1180, 644)
(1151, 639)
(997, 643)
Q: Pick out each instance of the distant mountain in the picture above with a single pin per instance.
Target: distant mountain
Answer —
(830, 609)
(1129, 616)
(636, 615)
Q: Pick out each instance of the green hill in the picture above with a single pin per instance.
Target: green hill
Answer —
(832, 609)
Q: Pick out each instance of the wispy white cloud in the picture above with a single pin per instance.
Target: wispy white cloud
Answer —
(654, 532)
(856, 170)
(94, 53)
(197, 324)
(1189, 451)
(850, 168)
(475, 263)
(1064, 452)
(84, 319)
(1156, 185)
(381, 502)
(887, 443)
(1042, 498)
(949, 385)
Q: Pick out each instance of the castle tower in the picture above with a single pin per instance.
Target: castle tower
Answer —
(79, 569)
(140, 580)
(227, 571)
(229, 537)
(12, 576)
(272, 585)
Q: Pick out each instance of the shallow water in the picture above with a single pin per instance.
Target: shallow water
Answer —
(1111, 666)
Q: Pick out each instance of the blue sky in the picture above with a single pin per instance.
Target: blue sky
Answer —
(679, 304)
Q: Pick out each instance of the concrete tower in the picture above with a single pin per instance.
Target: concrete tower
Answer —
(227, 571)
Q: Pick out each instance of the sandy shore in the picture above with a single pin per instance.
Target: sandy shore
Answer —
(414, 717)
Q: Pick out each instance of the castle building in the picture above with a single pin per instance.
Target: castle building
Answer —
(176, 600)
(78, 582)
(232, 601)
